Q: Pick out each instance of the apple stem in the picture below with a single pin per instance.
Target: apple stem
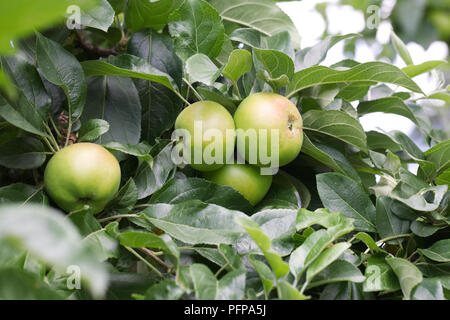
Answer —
(193, 89)
(237, 90)
(148, 264)
(69, 131)
(181, 97)
(118, 217)
(51, 137)
(153, 255)
(49, 144)
(55, 127)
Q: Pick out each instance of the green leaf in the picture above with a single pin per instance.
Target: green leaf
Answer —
(322, 217)
(429, 289)
(388, 224)
(439, 251)
(180, 190)
(195, 222)
(327, 257)
(423, 229)
(28, 81)
(160, 105)
(239, 63)
(440, 271)
(224, 256)
(152, 175)
(85, 221)
(280, 41)
(231, 286)
(127, 65)
(355, 91)
(330, 157)
(303, 192)
(401, 49)
(339, 270)
(407, 273)
(21, 285)
(22, 153)
(116, 101)
(61, 68)
(93, 129)
(288, 292)
(51, 238)
(125, 199)
(213, 94)
(379, 275)
(274, 67)
(22, 193)
(341, 194)
(392, 105)
(200, 68)
(440, 95)
(205, 282)
(279, 267)
(19, 120)
(139, 239)
(417, 194)
(278, 225)
(440, 155)
(140, 150)
(164, 290)
(265, 274)
(314, 55)
(407, 144)
(145, 13)
(20, 18)
(302, 257)
(443, 178)
(248, 36)
(337, 124)
(379, 141)
(415, 70)
(370, 71)
(262, 15)
(197, 28)
(101, 16)
(281, 195)
(368, 241)
(103, 245)
(412, 150)
(6, 85)
(344, 291)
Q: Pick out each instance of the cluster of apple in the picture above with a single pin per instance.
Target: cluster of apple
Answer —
(86, 174)
(266, 132)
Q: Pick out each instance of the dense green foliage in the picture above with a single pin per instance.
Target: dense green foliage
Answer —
(345, 220)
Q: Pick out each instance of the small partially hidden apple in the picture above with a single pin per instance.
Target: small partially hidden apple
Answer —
(82, 174)
(244, 178)
(263, 112)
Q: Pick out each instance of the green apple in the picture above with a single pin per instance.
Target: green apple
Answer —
(244, 178)
(82, 174)
(264, 112)
(211, 134)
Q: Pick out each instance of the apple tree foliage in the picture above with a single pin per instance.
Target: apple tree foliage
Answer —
(345, 220)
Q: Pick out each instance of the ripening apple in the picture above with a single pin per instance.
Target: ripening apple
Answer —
(211, 135)
(244, 178)
(268, 121)
(82, 174)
